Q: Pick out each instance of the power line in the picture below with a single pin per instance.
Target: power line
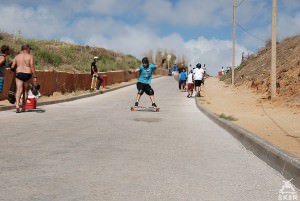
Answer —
(246, 31)
(240, 3)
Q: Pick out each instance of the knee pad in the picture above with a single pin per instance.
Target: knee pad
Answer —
(140, 92)
(150, 92)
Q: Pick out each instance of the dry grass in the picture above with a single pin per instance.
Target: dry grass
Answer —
(60, 56)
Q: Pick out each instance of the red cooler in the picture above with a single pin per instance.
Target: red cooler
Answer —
(104, 83)
(30, 104)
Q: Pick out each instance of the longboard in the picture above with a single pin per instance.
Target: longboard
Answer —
(143, 108)
(94, 82)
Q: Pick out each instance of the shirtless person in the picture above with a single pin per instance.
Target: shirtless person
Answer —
(23, 63)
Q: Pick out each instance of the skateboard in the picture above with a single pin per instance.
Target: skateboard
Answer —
(94, 81)
(143, 108)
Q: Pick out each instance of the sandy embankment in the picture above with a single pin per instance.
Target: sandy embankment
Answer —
(277, 124)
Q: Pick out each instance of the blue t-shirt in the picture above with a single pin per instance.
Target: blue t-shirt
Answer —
(174, 68)
(145, 75)
(183, 76)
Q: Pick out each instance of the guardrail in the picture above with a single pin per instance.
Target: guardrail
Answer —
(54, 81)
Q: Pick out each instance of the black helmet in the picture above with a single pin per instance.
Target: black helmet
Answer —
(198, 65)
(145, 60)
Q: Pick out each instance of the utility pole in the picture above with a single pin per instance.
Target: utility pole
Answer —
(233, 42)
(273, 47)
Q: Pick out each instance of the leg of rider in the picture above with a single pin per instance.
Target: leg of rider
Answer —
(149, 91)
(152, 99)
(19, 89)
(138, 97)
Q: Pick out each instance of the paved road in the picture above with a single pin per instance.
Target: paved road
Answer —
(97, 149)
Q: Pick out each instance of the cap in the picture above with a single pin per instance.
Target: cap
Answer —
(96, 57)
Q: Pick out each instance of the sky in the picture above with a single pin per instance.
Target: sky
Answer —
(201, 30)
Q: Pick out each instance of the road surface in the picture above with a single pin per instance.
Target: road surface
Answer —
(97, 149)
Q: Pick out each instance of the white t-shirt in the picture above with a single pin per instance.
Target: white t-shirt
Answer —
(190, 78)
(198, 73)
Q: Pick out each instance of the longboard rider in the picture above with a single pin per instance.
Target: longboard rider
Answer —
(146, 71)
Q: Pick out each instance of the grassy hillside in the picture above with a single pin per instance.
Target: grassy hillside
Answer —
(60, 56)
(255, 71)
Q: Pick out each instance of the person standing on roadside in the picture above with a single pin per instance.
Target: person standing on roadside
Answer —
(5, 51)
(198, 77)
(23, 64)
(96, 78)
(179, 72)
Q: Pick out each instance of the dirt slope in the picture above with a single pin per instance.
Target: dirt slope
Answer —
(254, 72)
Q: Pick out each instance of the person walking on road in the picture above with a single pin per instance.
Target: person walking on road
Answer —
(23, 64)
(182, 80)
(190, 84)
(180, 69)
(146, 71)
(198, 77)
(174, 69)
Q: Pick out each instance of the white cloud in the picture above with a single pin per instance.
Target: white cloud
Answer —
(39, 23)
(135, 26)
(256, 38)
(288, 25)
(188, 13)
(138, 41)
(214, 53)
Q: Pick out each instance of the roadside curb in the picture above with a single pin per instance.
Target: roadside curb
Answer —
(286, 164)
(3, 108)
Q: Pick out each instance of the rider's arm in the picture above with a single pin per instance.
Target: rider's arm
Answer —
(133, 70)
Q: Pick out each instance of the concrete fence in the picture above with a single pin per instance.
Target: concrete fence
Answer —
(67, 82)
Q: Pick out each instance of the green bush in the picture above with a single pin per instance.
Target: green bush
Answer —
(229, 118)
(49, 57)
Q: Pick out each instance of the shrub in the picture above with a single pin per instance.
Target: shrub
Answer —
(49, 57)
